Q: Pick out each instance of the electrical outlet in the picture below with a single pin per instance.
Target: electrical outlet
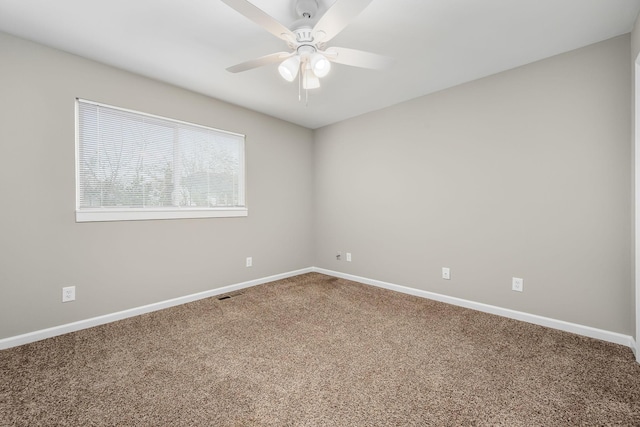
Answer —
(249, 261)
(348, 256)
(68, 293)
(517, 284)
(446, 273)
(339, 256)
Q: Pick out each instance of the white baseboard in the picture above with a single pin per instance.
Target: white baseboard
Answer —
(575, 328)
(112, 317)
(587, 331)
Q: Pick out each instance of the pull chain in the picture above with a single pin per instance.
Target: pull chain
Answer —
(300, 84)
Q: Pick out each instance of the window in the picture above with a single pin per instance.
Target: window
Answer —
(131, 166)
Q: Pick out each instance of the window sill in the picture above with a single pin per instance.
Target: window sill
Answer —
(96, 215)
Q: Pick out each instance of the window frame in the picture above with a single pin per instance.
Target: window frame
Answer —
(156, 212)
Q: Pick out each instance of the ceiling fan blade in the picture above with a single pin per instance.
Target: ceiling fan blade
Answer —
(357, 58)
(261, 18)
(259, 62)
(337, 17)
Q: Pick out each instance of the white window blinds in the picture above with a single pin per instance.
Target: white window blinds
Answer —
(132, 165)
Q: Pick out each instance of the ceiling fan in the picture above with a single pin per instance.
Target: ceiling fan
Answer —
(309, 57)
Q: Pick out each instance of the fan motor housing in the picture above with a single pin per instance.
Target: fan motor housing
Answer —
(306, 50)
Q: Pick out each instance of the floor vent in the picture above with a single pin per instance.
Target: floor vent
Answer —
(229, 295)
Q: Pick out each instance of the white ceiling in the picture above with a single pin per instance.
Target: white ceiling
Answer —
(435, 43)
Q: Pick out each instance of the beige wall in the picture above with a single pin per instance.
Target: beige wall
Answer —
(635, 39)
(120, 265)
(525, 173)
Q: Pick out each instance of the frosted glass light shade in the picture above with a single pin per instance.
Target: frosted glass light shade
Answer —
(288, 69)
(320, 64)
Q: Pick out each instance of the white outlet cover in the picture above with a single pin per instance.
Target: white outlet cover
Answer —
(348, 256)
(68, 293)
(446, 273)
(249, 261)
(517, 284)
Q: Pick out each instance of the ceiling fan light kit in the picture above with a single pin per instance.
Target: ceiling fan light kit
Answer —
(307, 38)
(314, 66)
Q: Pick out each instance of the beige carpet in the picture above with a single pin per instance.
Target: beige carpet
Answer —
(318, 351)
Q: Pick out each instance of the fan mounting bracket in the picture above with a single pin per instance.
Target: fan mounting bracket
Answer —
(307, 8)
